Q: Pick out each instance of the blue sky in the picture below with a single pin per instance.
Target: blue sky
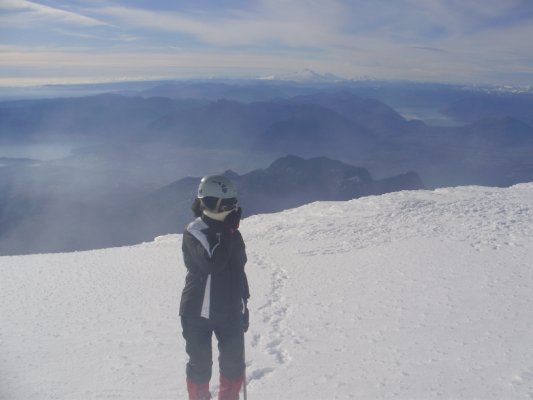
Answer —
(468, 41)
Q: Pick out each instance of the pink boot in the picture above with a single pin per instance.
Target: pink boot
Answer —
(229, 389)
(198, 391)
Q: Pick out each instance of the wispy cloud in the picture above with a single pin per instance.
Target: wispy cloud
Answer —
(405, 39)
(271, 22)
(428, 48)
(115, 37)
(23, 11)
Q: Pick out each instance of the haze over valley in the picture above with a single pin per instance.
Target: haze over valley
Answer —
(83, 172)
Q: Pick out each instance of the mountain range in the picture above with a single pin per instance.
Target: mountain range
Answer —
(119, 149)
(116, 129)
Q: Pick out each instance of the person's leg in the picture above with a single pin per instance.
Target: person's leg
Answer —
(230, 336)
(197, 332)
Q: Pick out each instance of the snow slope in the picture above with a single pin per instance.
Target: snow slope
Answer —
(409, 295)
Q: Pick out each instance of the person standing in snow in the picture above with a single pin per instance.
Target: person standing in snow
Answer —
(214, 299)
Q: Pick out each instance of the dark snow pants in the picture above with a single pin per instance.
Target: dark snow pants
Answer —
(198, 332)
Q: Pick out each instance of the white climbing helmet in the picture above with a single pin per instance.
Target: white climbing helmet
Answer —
(216, 186)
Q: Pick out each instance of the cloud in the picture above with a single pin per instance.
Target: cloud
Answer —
(323, 26)
(463, 18)
(402, 39)
(28, 12)
(272, 22)
(428, 48)
(122, 38)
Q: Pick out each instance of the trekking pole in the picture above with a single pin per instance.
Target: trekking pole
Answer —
(244, 380)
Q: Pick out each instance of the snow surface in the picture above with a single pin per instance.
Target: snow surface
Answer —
(409, 295)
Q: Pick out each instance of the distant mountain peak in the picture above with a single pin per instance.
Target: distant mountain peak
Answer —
(313, 163)
(289, 182)
(230, 174)
(305, 75)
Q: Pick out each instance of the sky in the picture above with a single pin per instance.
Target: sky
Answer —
(462, 41)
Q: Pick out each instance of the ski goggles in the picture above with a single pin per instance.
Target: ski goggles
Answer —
(227, 204)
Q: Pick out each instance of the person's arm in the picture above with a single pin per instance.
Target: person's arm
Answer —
(245, 297)
(209, 251)
(246, 289)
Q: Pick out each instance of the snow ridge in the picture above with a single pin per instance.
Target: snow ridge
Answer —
(409, 295)
(478, 216)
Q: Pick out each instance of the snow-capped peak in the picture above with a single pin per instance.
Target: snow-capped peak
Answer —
(305, 76)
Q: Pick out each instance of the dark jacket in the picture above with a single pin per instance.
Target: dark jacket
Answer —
(216, 284)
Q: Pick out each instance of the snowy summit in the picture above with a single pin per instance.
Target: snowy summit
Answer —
(304, 76)
(409, 295)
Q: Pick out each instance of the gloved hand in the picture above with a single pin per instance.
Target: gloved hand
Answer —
(233, 220)
(246, 319)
